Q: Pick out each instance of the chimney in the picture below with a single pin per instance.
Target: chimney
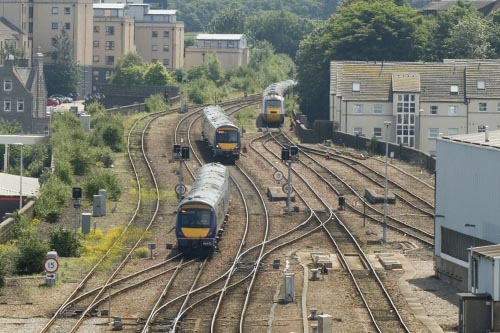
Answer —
(486, 134)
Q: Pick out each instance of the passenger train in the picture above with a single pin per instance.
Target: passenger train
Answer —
(273, 103)
(203, 210)
(220, 134)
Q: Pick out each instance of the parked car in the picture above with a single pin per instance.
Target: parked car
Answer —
(51, 101)
(62, 98)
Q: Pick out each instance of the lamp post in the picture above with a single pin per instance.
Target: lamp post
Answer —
(21, 177)
(387, 124)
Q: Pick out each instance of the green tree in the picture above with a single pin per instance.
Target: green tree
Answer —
(129, 70)
(32, 252)
(229, 21)
(214, 70)
(157, 75)
(102, 179)
(63, 76)
(470, 38)
(10, 49)
(52, 199)
(284, 30)
(64, 242)
(156, 103)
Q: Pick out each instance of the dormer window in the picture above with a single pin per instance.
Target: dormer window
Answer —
(454, 89)
(356, 86)
(480, 85)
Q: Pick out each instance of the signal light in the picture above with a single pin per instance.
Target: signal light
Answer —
(185, 153)
(285, 154)
(294, 150)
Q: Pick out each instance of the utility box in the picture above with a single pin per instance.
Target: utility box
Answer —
(325, 322)
(96, 207)
(85, 121)
(86, 223)
(102, 193)
(289, 287)
(474, 313)
(484, 271)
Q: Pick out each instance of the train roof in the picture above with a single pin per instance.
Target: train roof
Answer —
(210, 183)
(217, 116)
(279, 88)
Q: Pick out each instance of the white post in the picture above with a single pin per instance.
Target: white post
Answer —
(387, 125)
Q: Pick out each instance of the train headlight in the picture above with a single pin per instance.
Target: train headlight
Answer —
(217, 146)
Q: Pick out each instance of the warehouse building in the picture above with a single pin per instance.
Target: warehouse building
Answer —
(467, 209)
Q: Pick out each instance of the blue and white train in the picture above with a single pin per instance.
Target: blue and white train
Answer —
(220, 134)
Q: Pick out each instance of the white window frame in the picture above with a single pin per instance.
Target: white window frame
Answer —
(55, 10)
(498, 107)
(452, 131)
(20, 105)
(482, 107)
(154, 34)
(7, 85)
(433, 133)
(434, 107)
(357, 108)
(358, 130)
(481, 85)
(67, 10)
(356, 86)
(166, 34)
(55, 26)
(154, 47)
(67, 26)
(7, 105)
(378, 108)
(451, 108)
(454, 89)
(95, 58)
(377, 132)
(166, 48)
(166, 62)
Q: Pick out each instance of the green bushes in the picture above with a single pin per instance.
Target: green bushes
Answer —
(53, 198)
(156, 103)
(64, 243)
(31, 254)
(102, 179)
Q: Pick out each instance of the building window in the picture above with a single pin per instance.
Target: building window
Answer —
(97, 28)
(154, 60)
(166, 48)
(154, 34)
(166, 34)
(356, 86)
(55, 10)
(454, 89)
(377, 131)
(110, 60)
(405, 120)
(110, 45)
(358, 108)
(480, 84)
(67, 26)
(481, 128)
(453, 110)
(30, 27)
(67, 10)
(154, 47)
(110, 30)
(482, 107)
(378, 108)
(433, 132)
(166, 62)
(452, 131)
(434, 109)
(206, 44)
(231, 44)
(498, 107)
(96, 43)
(7, 85)
(20, 105)
(95, 58)
(6, 105)
(358, 130)
(55, 26)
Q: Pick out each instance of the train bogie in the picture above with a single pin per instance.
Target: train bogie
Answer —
(202, 211)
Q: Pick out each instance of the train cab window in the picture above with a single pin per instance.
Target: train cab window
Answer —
(273, 103)
(227, 136)
(195, 218)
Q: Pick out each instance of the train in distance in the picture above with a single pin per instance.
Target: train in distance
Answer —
(220, 134)
(203, 210)
(273, 103)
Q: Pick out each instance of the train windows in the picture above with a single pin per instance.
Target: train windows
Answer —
(195, 218)
(227, 136)
(273, 102)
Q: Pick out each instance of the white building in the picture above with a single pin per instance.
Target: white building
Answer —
(467, 200)
(421, 100)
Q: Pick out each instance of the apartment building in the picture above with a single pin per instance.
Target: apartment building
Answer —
(231, 50)
(422, 101)
(11, 35)
(113, 36)
(15, 24)
(158, 35)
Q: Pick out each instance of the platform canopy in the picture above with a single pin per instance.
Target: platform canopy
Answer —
(23, 139)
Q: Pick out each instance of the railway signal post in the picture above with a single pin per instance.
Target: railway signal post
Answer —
(181, 154)
(290, 155)
(387, 125)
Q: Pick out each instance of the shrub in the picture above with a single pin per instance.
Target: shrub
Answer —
(64, 171)
(141, 252)
(52, 200)
(64, 243)
(102, 179)
(156, 103)
(32, 252)
(104, 156)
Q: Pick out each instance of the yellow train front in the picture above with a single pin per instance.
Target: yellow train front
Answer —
(273, 103)
(202, 211)
(220, 134)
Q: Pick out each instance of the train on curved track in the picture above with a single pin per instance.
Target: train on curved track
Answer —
(203, 210)
(220, 134)
(273, 103)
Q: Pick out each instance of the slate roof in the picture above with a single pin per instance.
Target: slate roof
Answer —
(405, 82)
(9, 185)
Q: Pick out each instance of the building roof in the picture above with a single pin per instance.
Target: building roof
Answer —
(489, 251)
(219, 36)
(405, 82)
(477, 139)
(109, 6)
(7, 28)
(9, 185)
(162, 12)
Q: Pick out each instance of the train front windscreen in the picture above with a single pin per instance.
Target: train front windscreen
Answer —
(227, 136)
(194, 218)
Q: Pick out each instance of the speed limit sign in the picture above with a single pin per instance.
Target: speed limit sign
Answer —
(51, 265)
(180, 189)
(278, 175)
(287, 188)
